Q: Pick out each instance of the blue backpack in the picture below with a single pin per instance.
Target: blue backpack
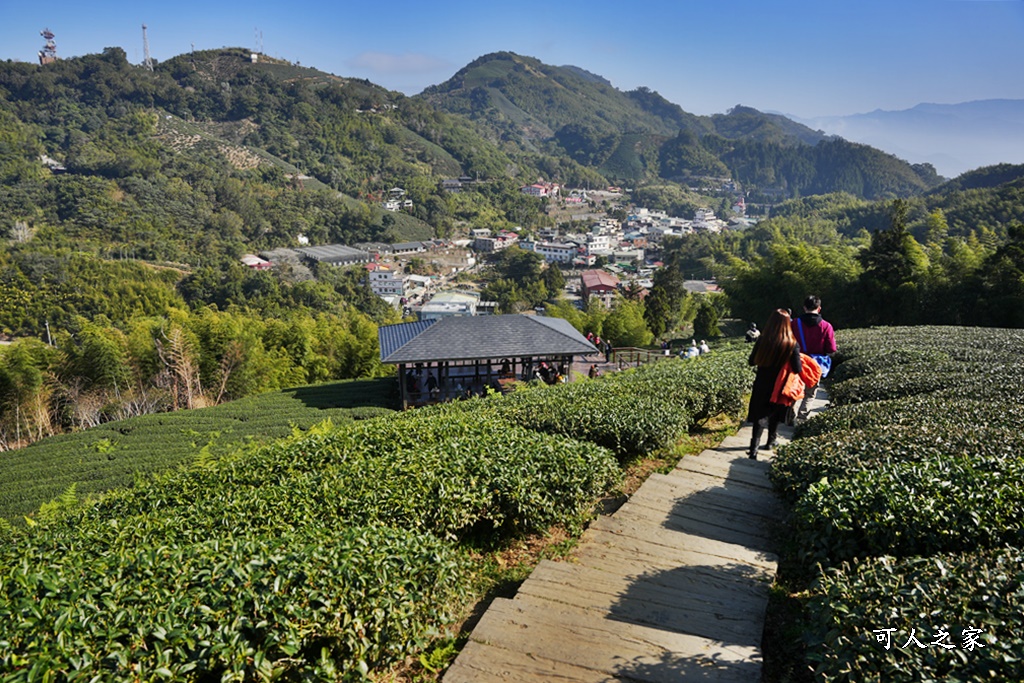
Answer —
(824, 361)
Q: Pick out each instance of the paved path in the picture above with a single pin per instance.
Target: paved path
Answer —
(672, 587)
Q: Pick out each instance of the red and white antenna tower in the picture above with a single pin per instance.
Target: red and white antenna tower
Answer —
(147, 61)
(49, 52)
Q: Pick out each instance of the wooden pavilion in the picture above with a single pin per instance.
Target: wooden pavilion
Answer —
(456, 357)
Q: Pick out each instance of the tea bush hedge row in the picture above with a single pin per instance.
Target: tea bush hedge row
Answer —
(880, 361)
(942, 410)
(968, 380)
(835, 455)
(449, 474)
(950, 503)
(918, 458)
(959, 343)
(632, 412)
(115, 454)
(325, 555)
(305, 604)
(982, 590)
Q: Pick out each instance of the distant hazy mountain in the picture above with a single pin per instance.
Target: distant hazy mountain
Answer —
(952, 137)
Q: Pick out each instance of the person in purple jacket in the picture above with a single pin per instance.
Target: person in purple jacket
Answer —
(818, 339)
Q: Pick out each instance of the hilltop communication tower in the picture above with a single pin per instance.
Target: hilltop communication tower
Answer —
(48, 54)
(147, 61)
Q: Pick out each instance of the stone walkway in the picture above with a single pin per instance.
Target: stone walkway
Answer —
(671, 587)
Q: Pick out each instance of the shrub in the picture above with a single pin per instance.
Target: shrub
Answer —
(835, 455)
(941, 410)
(631, 412)
(975, 380)
(884, 362)
(954, 503)
(322, 556)
(324, 603)
(446, 473)
(980, 590)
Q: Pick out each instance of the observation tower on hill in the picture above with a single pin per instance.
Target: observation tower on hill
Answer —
(49, 52)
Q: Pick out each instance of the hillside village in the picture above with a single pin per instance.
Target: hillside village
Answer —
(615, 253)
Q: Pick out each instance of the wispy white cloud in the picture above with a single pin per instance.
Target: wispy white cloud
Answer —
(408, 63)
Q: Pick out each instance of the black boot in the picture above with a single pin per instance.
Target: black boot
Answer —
(773, 435)
(755, 438)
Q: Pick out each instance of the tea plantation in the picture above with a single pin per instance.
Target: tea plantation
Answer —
(117, 453)
(334, 554)
(907, 498)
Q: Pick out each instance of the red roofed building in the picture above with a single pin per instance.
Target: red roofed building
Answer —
(600, 283)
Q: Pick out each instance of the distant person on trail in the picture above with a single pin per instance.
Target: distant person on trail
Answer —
(704, 348)
(594, 372)
(692, 351)
(772, 351)
(752, 333)
(815, 337)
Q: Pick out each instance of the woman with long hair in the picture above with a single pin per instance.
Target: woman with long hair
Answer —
(774, 348)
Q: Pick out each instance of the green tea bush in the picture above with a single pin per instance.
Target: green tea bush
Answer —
(959, 343)
(859, 365)
(116, 454)
(975, 380)
(320, 557)
(918, 457)
(448, 473)
(631, 412)
(325, 603)
(953, 503)
(944, 409)
(834, 455)
(982, 590)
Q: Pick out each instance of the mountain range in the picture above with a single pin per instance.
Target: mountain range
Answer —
(502, 117)
(519, 102)
(954, 138)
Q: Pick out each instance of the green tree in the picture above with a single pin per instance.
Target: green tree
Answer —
(625, 325)
(99, 356)
(664, 305)
(895, 266)
(1001, 297)
(554, 280)
(705, 324)
(24, 411)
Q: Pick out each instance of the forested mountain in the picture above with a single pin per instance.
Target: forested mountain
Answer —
(127, 197)
(639, 136)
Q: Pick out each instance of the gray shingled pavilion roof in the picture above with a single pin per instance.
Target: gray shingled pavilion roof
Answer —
(480, 337)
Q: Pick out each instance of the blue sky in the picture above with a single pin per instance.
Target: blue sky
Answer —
(826, 57)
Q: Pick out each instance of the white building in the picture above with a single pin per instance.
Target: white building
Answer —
(599, 243)
(553, 252)
(705, 220)
(386, 283)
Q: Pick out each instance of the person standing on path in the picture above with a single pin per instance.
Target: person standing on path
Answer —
(773, 350)
(816, 337)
